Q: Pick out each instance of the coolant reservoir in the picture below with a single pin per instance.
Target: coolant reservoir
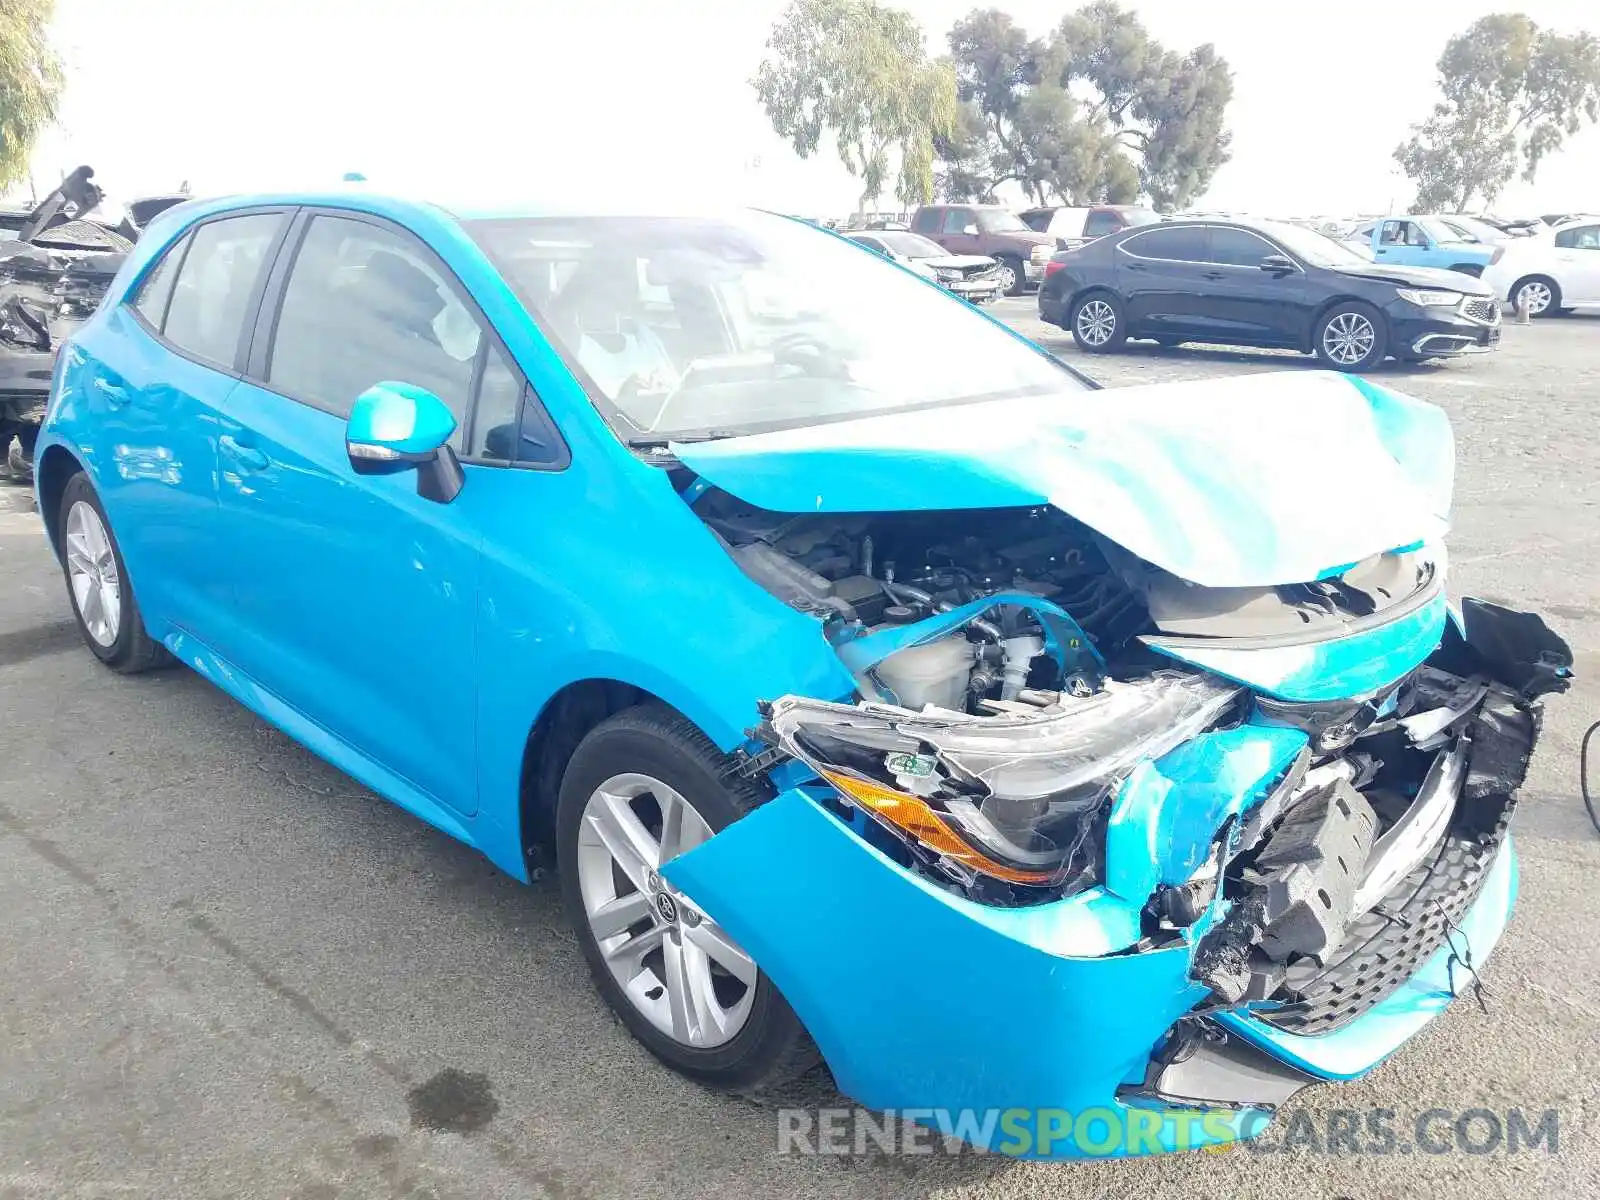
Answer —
(934, 673)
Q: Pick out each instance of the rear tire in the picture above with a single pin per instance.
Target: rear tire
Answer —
(98, 586)
(655, 762)
(1351, 336)
(1098, 323)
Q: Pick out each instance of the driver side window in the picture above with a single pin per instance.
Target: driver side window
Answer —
(364, 304)
(957, 219)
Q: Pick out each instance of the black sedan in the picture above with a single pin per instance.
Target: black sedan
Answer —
(1263, 283)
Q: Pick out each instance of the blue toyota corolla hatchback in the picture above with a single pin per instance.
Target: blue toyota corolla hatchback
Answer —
(1088, 771)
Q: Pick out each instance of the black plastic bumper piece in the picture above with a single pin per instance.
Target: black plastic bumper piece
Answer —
(1205, 1066)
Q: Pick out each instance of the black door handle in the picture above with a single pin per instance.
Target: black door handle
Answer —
(1212, 275)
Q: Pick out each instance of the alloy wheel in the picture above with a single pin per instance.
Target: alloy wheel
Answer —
(92, 571)
(1348, 338)
(1096, 322)
(1535, 294)
(675, 964)
(1008, 277)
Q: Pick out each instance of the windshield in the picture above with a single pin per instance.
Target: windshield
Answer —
(998, 220)
(1316, 248)
(692, 327)
(911, 245)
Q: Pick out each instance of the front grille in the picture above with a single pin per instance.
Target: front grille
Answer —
(1485, 311)
(1385, 947)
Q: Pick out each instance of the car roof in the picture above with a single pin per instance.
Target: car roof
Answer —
(463, 206)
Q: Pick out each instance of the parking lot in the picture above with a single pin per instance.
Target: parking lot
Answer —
(231, 971)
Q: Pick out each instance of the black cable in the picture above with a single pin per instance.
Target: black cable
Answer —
(1583, 773)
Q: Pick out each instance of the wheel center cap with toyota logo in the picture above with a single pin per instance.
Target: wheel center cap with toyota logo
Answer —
(667, 907)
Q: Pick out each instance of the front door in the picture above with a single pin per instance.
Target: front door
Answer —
(1245, 304)
(355, 594)
(954, 233)
(1403, 243)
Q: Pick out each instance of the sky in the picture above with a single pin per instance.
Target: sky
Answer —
(517, 98)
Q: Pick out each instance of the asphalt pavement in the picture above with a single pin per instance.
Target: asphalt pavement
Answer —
(228, 971)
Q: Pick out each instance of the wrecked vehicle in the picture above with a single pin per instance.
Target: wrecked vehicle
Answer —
(884, 690)
(55, 265)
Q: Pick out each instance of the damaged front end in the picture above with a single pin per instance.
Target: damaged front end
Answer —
(1089, 833)
(1189, 876)
(53, 275)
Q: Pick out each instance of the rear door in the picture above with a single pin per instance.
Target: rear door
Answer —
(154, 377)
(1578, 264)
(1160, 274)
(356, 595)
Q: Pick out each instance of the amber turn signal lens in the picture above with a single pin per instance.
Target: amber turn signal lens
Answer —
(912, 816)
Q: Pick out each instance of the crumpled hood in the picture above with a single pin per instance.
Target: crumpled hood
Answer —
(957, 260)
(1243, 482)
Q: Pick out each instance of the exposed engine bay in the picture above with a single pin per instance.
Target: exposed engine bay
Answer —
(991, 744)
(866, 573)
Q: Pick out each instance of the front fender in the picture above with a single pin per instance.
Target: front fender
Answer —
(919, 998)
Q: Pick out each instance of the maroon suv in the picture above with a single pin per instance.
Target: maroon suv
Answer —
(990, 229)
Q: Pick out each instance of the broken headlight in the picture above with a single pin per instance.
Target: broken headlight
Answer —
(1014, 795)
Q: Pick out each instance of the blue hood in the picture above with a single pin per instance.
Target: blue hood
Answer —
(1244, 482)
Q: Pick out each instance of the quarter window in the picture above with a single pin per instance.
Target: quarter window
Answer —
(156, 289)
(495, 433)
(365, 304)
(1238, 247)
(1180, 243)
(211, 295)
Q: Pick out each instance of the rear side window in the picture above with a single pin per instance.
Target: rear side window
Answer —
(365, 304)
(1181, 243)
(211, 294)
(926, 220)
(156, 289)
(1583, 237)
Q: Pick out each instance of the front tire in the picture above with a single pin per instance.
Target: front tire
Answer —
(1350, 337)
(642, 787)
(1098, 323)
(97, 584)
(1543, 295)
(1013, 278)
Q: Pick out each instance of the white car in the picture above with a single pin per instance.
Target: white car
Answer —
(1551, 271)
(974, 277)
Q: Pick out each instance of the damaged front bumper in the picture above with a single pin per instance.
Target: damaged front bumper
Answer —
(1136, 998)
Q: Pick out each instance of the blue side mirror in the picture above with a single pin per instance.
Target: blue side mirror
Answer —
(395, 426)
